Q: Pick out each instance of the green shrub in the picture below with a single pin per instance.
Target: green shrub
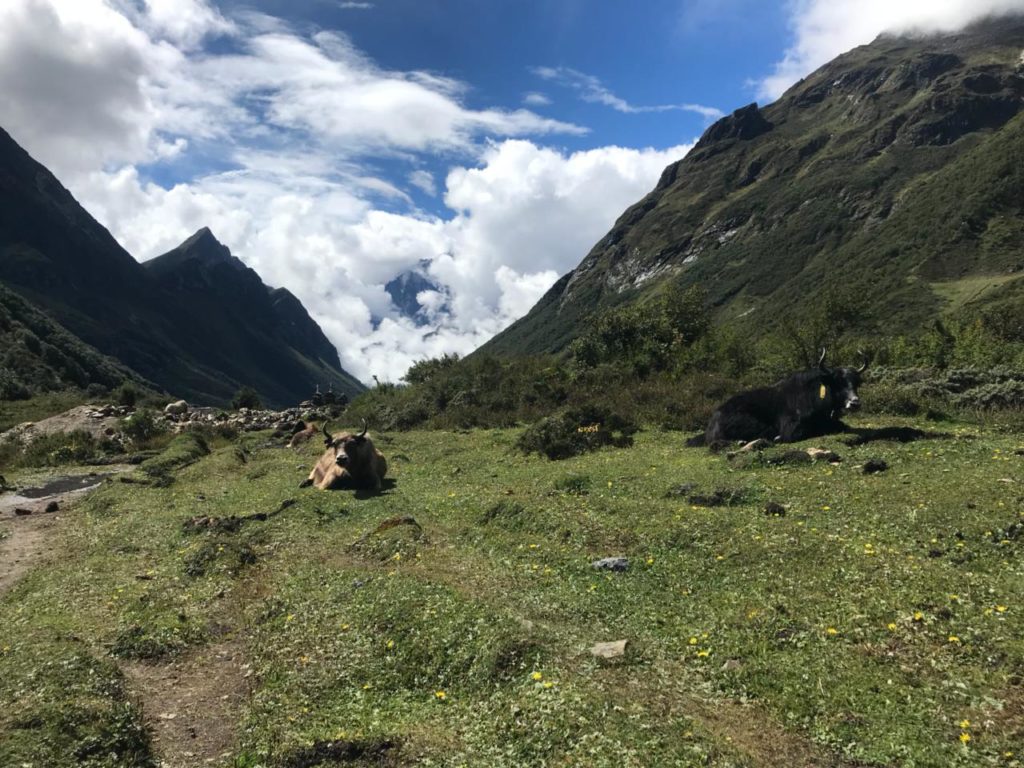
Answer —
(142, 426)
(247, 397)
(127, 394)
(577, 431)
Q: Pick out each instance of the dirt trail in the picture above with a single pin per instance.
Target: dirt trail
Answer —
(28, 527)
(192, 704)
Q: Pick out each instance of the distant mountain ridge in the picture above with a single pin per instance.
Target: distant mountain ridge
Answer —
(894, 172)
(196, 320)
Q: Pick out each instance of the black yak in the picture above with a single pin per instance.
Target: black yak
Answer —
(807, 404)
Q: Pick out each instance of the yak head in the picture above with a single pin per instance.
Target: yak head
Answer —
(843, 383)
(348, 448)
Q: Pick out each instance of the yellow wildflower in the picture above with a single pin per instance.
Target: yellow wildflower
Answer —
(440, 695)
(954, 639)
(831, 631)
(918, 616)
(891, 626)
(965, 737)
(965, 724)
(537, 676)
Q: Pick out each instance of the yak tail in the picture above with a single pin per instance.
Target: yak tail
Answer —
(697, 441)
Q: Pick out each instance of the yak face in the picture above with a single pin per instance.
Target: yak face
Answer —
(348, 449)
(843, 382)
(844, 388)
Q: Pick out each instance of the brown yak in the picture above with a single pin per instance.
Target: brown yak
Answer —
(350, 461)
(303, 436)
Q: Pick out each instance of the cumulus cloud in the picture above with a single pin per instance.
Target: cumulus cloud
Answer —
(521, 217)
(593, 90)
(275, 134)
(823, 29)
(536, 99)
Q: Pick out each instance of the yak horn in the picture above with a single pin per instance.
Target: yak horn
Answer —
(327, 435)
(863, 365)
(821, 360)
(363, 433)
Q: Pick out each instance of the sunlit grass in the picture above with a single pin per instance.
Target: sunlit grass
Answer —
(865, 625)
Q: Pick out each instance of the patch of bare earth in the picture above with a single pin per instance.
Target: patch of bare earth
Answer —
(760, 739)
(25, 543)
(193, 703)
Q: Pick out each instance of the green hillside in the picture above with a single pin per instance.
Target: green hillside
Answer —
(893, 175)
(38, 355)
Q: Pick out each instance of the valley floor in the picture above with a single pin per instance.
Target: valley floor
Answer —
(871, 620)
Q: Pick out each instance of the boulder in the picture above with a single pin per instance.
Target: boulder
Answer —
(613, 650)
(617, 564)
(177, 408)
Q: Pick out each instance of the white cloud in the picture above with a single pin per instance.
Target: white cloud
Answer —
(536, 99)
(593, 90)
(99, 90)
(522, 217)
(823, 29)
(355, 6)
(424, 181)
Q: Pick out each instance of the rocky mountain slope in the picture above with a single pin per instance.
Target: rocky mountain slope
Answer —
(195, 321)
(893, 174)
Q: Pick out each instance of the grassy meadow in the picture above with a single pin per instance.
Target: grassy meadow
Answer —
(875, 620)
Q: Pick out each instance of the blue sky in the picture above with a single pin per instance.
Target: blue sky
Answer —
(335, 145)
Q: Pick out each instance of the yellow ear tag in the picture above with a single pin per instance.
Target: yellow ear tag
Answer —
(822, 392)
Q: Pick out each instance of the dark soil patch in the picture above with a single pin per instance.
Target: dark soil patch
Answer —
(862, 436)
(371, 752)
(63, 485)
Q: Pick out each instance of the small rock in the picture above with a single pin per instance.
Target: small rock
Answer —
(613, 650)
(22, 512)
(823, 454)
(755, 445)
(732, 665)
(53, 506)
(871, 466)
(774, 509)
(618, 564)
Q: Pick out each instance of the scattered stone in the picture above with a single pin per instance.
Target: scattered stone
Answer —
(613, 650)
(823, 454)
(22, 512)
(731, 665)
(774, 509)
(53, 506)
(617, 564)
(871, 466)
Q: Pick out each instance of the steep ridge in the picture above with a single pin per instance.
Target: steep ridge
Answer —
(893, 173)
(185, 328)
(264, 336)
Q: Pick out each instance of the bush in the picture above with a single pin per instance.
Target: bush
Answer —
(247, 397)
(577, 431)
(127, 394)
(142, 425)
